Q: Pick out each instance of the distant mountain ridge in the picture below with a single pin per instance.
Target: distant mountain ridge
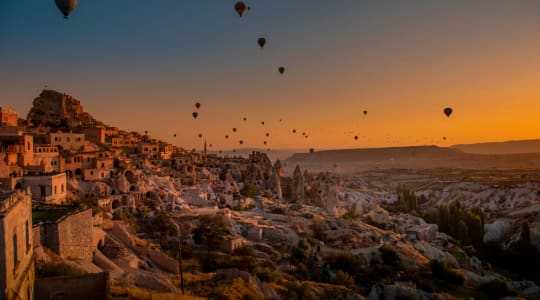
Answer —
(508, 147)
(415, 157)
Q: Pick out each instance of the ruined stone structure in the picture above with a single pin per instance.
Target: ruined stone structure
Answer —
(71, 236)
(95, 133)
(8, 116)
(16, 250)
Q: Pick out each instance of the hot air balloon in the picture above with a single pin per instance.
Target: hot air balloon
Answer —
(281, 70)
(174, 135)
(226, 136)
(294, 131)
(240, 8)
(311, 150)
(267, 134)
(241, 142)
(262, 122)
(197, 105)
(444, 138)
(303, 133)
(245, 119)
(448, 111)
(365, 112)
(264, 142)
(261, 42)
(234, 129)
(356, 137)
(66, 6)
(195, 115)
(200, 135)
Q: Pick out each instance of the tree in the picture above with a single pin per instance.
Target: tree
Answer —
(211, 232)
(462, 232)
(162, 223)
(249, 190)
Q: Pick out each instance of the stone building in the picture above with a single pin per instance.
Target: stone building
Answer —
(49, 189)
(8, 116)
(16, 250)
(95, 134)
(149, 150)
(102, 169)
(46, 159)
(17, 146)
(71, 237)
(67, 140)
(96, 174)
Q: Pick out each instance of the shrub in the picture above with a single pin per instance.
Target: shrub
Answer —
(346, 262)
(496, 289)
(389, 256)
(344, 279)
(211, 232)
(249, 190)
(122, 215)
(245, 250)
(268, 275)
(440, 271)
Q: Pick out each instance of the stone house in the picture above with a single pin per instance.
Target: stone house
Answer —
(16, 250)
(71, 237)
(67, 140)
(95, 134)
(46, 159)
(149, 150)
(18, 147)
(49, 189)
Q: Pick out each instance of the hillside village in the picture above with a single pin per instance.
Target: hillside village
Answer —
(90, 211)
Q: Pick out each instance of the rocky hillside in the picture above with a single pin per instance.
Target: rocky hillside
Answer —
(57, 109)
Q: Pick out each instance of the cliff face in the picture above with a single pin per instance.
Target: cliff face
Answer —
(56, 109)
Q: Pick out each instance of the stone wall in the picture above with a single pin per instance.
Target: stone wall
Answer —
(16, 250)
(72, 236)
(91, 286)
(163, 261)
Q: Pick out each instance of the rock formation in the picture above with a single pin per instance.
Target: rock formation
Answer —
(297, 187)
(278, 168)
(274, 185)
(55, 109)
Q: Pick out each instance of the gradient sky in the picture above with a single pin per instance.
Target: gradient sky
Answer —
(140, 65)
